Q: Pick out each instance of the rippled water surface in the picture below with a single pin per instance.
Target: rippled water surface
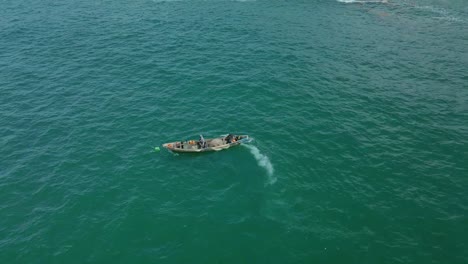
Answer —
(358, 112)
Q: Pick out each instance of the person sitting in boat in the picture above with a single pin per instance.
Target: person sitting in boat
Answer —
(229, 138)
(202, 142)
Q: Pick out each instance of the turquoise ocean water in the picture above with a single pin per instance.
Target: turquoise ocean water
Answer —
(358, 110)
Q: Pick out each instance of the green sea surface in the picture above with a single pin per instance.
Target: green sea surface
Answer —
(358, 111)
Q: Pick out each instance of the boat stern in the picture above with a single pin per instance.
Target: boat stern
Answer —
(244, 139)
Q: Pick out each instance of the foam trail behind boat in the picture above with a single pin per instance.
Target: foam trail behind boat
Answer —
(263, 161)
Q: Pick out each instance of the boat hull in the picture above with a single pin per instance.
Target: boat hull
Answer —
(193, 146)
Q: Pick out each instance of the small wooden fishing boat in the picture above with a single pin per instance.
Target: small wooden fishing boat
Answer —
(202, 145)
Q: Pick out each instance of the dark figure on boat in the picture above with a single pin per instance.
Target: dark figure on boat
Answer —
(229, 138)
(202, 142)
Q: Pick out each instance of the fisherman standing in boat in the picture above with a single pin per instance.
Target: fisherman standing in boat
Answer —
(202, 142)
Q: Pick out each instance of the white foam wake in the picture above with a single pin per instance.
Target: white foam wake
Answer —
(262, 161)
